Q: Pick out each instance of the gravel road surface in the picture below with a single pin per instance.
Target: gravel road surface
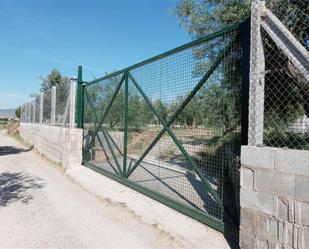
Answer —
(41, 208)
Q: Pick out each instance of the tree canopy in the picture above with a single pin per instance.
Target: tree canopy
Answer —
(55, 78)
(201, 17)
(286, 94)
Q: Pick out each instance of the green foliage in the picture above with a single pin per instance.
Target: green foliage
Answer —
(201, 17)
(3, 121)
(137, 113)
(162, 109)
(55, 78)
(115, 115)
(101, 94)
(282, 139)
(286, 91)
(294, 15)
(286, 94)
(224, 147)
(218, 103)
(17, 112)
(191, 115)
(97, 98)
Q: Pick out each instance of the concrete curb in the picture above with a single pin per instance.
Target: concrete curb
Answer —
(188, 231)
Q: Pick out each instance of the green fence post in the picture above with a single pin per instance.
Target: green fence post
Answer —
(245, 43)
(79, 102)
(125, 122)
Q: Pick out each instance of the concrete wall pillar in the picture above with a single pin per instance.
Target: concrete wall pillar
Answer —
(257, 77)
(274, 198)
(53, 106)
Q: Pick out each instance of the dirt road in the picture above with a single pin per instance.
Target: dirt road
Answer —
(41, 208)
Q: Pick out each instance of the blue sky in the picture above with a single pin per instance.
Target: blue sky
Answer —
(37, 36)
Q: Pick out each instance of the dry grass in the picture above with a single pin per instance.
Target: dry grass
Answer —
(194, 140)
(11, 127)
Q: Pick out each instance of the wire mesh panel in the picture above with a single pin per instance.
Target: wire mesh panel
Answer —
(62, 104)
(47, 107)
(294, 15)
(279, 114)
(103, 124)
(22, 113)
(171, 126)
(54, 106)
(30, 112)
(37, 109)
(286, 114)
(26, 113)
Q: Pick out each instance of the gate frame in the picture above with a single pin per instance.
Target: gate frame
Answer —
(122, 176)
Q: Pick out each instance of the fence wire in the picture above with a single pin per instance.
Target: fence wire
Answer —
(62, 104)
(286, 113)
(279, 98)
(172, 125)
(23, 113)
(40, 109)
(47, 103)
(36, 109)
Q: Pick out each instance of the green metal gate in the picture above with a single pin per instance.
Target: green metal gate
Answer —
(170, 127)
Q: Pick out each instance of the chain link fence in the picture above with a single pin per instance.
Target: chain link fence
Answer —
(54, 106)
(47, 99)
(286, 114)
(62, 105)
(279, 77)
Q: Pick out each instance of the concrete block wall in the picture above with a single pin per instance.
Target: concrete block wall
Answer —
(59, 144)
(274, 198)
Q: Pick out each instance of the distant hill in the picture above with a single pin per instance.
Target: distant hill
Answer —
(7, 113)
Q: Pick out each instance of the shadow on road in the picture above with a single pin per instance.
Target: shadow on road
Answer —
(7, 150)
(15, 187)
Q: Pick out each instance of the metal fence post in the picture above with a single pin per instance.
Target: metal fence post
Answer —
(33, 111)
(125, 120)
(72, 101)
(29, 112)
(245, 42)
(79, 105)
(25, 113)
(257, 77)
(41, 107)
(21, 113)
(53, 106)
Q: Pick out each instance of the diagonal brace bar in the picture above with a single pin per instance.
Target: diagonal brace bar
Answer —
(99, 126)
(101, 143)
(108, 107)
(111, 150)
(204, 179)
(210, 71)
(125, 124)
